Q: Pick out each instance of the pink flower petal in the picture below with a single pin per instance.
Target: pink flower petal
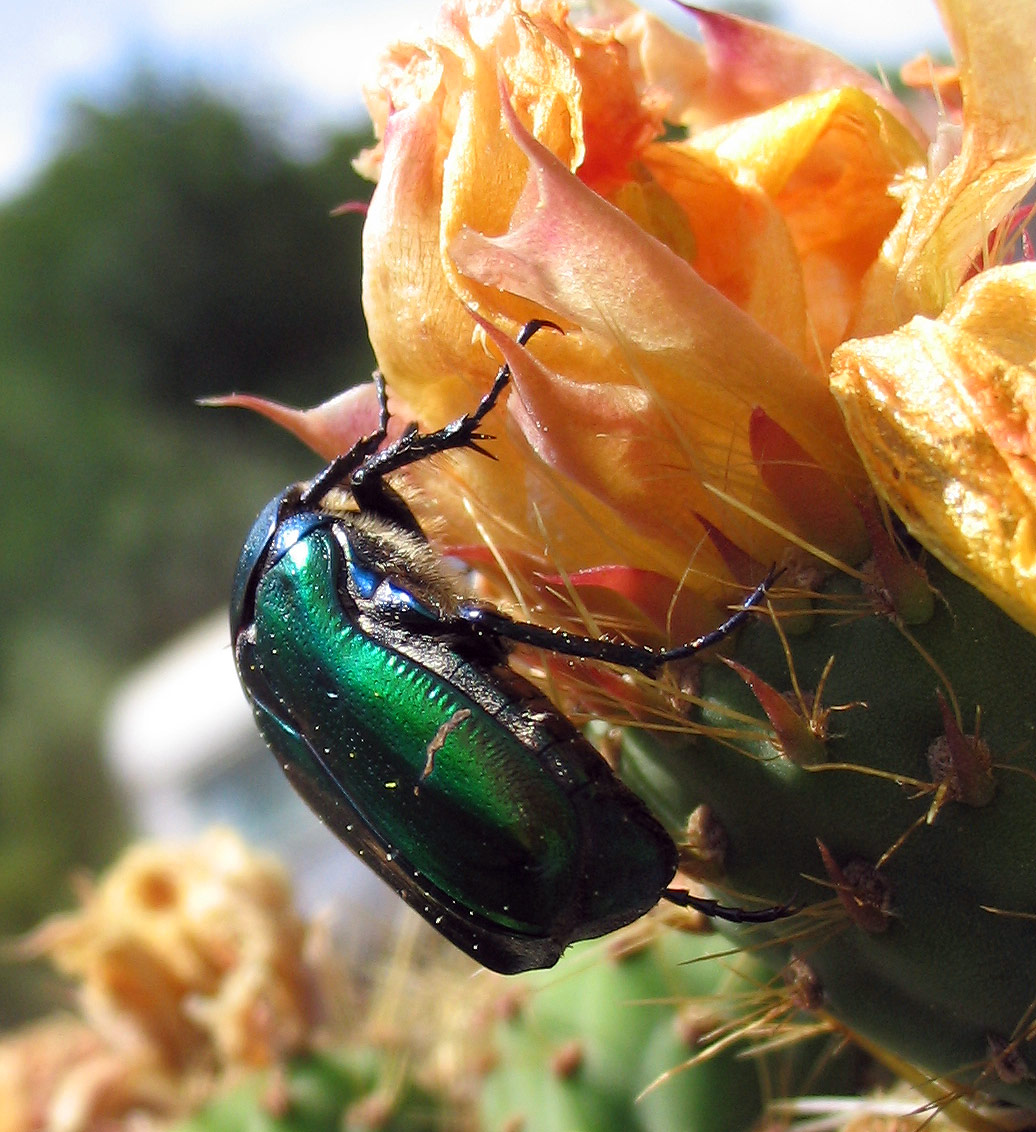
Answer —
(753, 66)
(329, 429)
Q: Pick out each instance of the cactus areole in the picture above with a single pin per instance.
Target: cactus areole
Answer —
(387, 699)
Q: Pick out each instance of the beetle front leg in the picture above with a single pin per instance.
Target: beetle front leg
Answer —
(342, 467)
(413, 446)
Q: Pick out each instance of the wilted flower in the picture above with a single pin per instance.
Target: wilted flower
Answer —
(937, 387)
(189, 967)
(721, 230)
(190, 955)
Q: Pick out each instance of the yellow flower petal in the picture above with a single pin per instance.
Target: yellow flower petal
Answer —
(949, 214)
(994, 43)
(943, 413)
(827, 162)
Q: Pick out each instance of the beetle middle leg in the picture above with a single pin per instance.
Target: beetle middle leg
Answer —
(638, 657)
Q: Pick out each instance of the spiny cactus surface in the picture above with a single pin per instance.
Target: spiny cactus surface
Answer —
(892, 798)
(636, 1041)
(319, 1092)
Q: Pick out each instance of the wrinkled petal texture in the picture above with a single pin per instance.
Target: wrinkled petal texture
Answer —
(698, 282)
(943, 412)
(671, 420)
(709, 287)
(446, 162)
(826, 162)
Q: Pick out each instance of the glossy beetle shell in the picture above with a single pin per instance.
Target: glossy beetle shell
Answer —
(449, 774)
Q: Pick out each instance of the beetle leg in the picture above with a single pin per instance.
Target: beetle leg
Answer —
(342, 467)
(493, 623)
(714, 910)
(413, 446)
(721, 632)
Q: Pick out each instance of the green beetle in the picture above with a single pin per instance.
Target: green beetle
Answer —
(386, 696)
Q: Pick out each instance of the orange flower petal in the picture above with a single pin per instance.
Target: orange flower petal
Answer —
(741, 244)
(827, 161)
(693, 336)
(445, 163)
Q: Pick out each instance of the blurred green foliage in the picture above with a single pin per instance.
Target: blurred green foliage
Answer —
(171, 250)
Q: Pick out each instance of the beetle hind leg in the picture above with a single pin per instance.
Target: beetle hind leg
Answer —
(714, 910)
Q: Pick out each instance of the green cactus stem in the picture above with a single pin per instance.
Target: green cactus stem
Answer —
(900, 817)
(355, 1091)
(651, 1037)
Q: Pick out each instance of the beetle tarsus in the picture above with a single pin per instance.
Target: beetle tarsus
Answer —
(414, 445)
(716, 911)
(721, 632)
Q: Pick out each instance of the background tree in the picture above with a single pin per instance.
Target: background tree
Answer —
(172, 249)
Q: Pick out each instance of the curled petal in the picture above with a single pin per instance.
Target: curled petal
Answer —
(742, 245)
(612, 442)
(827, 162)
(445, 163)
(667, 61)
(695, 339)
(948, 215)
(943, 413)
(403, 277)
(998, 71)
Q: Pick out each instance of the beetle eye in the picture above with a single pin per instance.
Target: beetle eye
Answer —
(395, 599)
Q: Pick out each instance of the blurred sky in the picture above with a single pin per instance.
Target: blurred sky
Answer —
(303, 61)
